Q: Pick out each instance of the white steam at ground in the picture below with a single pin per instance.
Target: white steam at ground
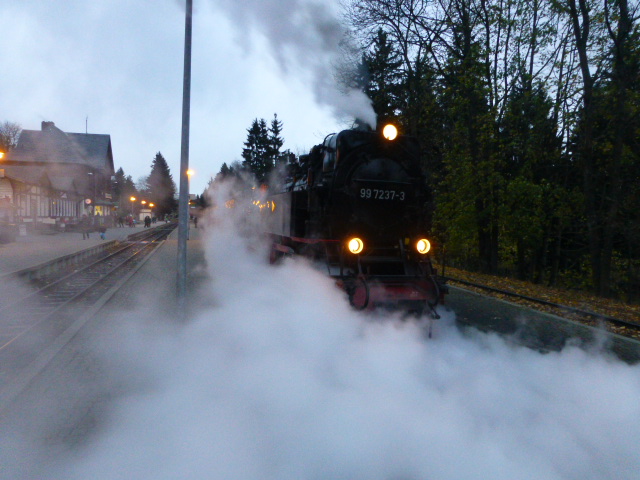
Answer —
(279, 379)
(305, 36)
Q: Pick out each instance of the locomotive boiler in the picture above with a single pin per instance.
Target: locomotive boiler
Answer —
(356, 205)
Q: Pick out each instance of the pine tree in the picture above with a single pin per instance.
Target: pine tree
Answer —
(275, 140)
(225, 172)
(162, 189)
(380, 77)
(256, 149)
(262, 148)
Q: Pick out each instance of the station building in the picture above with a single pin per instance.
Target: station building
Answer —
(52, 178)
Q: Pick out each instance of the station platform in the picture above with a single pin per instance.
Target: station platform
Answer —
(35, 249)
(152, 291)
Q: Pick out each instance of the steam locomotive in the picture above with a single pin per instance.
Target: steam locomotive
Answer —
(355, 204)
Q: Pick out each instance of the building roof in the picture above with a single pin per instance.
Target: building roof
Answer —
(31, 174)
(53, 146)
(63, 184)
(57, 176)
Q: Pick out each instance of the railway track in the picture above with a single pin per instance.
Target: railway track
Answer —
(618, 326)
(55, 295)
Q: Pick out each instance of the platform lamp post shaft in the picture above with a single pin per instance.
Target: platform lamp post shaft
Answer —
(183, 199)
(95, 191)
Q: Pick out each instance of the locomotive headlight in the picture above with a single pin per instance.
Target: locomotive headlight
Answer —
(390, 132)
(423, 246)
(355, 245)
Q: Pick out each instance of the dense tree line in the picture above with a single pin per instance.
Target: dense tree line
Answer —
(261, 153)
(157, 188)
(527, 111)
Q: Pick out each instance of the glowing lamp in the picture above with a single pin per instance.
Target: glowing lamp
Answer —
(390, 132)
(423, 246)
(355, 245)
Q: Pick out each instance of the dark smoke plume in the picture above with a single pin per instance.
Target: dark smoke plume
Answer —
(306, 36)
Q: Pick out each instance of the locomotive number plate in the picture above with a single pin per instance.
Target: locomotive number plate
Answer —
(382, 194)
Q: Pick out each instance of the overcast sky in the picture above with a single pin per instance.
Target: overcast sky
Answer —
(115, 67)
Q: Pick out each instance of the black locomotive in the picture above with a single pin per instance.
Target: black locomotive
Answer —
(356, 204)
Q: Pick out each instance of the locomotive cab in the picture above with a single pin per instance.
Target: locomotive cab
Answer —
(330, 154)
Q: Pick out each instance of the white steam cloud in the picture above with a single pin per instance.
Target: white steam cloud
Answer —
(279, 379)
(307, 35)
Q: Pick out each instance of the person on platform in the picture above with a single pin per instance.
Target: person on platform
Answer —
(85, 226)
(147, 221)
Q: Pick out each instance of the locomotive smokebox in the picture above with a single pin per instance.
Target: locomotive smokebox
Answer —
(379, 192)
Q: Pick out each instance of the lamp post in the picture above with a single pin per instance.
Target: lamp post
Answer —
(132, 199)
(183, 207)
(93, 200)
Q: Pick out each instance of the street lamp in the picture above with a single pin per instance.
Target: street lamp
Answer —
(190, 173)
(133, 199)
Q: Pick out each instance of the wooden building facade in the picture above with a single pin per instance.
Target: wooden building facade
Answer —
(53, 178)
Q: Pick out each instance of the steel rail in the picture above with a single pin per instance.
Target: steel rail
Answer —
(20, 365)
(48, 273)
(586, 313)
